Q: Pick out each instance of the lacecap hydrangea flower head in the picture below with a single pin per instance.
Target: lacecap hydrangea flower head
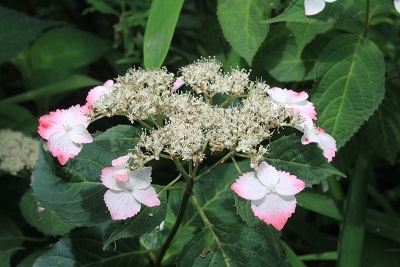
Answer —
(184, 124)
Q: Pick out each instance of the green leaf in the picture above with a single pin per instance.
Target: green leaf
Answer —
(384, 126)
(17, 31)
(45, 221)
(305, 161)
(240, 23)
(5, 256)
(74, 192)
(160, 28)
(146, 220)
(10, 235)
(66, 47)
(17, 118)
(228, 245)
(319, 203)
(349, 85)
(295, 12)
(214, 195)
(84, 247)
(71, 83)
(304, 33)
(271, 235)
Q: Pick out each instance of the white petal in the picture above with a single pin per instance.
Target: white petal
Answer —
(248, 186)
(330, 1)
(313, 7)
(80, 135)
(147, 196)
(267, 174)
(397, 5)
(140, 178)
(62, 147)
(121, 204)
(274, 209)
(288, 185)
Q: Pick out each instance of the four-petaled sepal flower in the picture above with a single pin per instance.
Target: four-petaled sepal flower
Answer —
(124, 199)
(271, 193)
(66, 131)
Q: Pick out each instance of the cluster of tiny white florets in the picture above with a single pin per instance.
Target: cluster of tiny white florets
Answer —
(139, 94)
(205, 76)
(185, 123)
(18, 152)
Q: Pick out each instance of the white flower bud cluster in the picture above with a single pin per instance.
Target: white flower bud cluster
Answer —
(185, 122)
(18, 152)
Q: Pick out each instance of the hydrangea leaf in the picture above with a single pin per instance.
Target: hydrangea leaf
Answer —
(11, 239)
(84, 247)
(305, 161)
(267, 231)
(240, 23)
(295, 12)
(228, 245)
(384, 126)
(74, 192)
(146, 220)
(17, 31)
(66, 47)
(45, 221)
(214, 195)
(349, 85)
(160, 28)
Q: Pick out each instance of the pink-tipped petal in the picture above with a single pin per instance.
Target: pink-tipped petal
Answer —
(121, 161)
(277, 94)
(267, 174)
(328, 144)
(121, 204)
(249, 187)
(305, 108)
(147, 196)
(80, 135)
(110, 182)
(61, 146)
(49, 124)
(274, 209)
(288, 185)
(121, 175)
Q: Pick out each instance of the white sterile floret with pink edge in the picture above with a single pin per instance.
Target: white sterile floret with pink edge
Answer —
(177, 84)
(66, 131)
(313, 7)
(271, 193)
(293, 100)
(97, 92)
(317, 135)
(119, 171)
(124, 199)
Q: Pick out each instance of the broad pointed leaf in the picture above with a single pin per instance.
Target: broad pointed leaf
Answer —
(349, 85)
(305, 161)
(384, 126)
(240, 23)
(228, 245)
(84, 247)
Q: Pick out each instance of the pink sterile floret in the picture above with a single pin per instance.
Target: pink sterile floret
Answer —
(317, 135)
(97, 92)
(177, 84)
(66, 131)
(294, 100)
(124, 199)
(271, 193)
(119, 171)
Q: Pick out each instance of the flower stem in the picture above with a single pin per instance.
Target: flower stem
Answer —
(236, 165)
(179, 218)
(180, 168)
(222, 160)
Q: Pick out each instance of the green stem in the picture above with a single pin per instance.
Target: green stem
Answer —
(236, 165)
(179, 218)
(145, 125)
(367, 19)
(180, 168)
(219, 162)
